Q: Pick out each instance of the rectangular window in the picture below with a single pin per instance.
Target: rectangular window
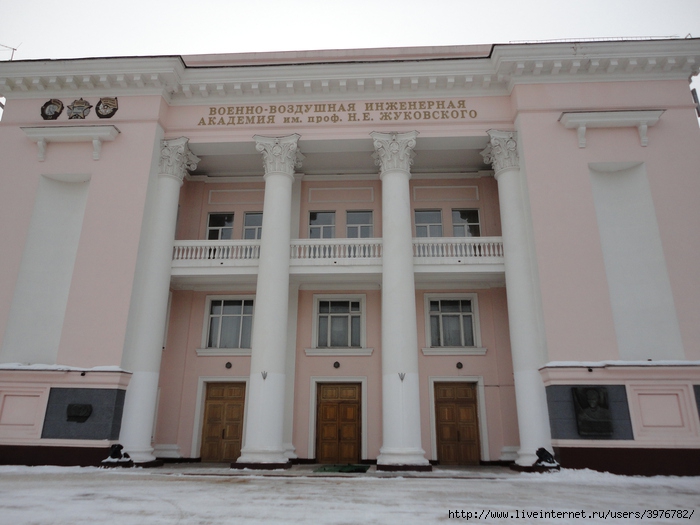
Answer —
(322, 225)
(220, 226)
(339, 324)
(359, 224)
(465, 223)
(428, 223)
(451, 322)
(252, 228)
(230, 323)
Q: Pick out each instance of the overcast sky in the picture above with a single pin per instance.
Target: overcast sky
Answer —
(73, 28)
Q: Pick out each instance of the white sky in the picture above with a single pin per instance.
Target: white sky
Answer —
(74, 28)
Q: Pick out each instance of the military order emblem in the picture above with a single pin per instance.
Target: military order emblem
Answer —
(107, 107)
(79, 109)
(52, 109)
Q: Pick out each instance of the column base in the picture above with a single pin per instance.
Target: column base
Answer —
(289, 451)
(263, 457)
(261, 466)
(402, 459)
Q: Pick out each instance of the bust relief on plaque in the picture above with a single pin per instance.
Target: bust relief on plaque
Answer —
(593, 418)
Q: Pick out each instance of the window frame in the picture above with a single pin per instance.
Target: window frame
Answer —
(256, 229)
(205, 350)
(359, 226)
(315, 350)
(467, 224)
(416, 224)
(209, 228)
(321, 226)
(477, 349)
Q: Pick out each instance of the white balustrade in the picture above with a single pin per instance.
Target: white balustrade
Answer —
(336, 249)
(216, 250)
(323, 251)
(460, 247)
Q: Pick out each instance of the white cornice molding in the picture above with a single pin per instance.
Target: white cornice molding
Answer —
(583, 120)
(397, 77)
(42, 135)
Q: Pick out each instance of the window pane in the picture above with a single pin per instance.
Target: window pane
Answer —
(466, 306)
(365, 232)
(253, 219)
(324, 307)
(474, 230)
(213, 235)
(329, 232)
(246, 331)
(355, 331)
(315, 233)
(434, 330)
(248, 306)
(249, 233)
(232, 307)
(213, 332)
(451, 330)
(340, 307)
(216, 307)
(465, 216)
(428, 217)
(421, 231)
(449, 306)
(352, 232)
(226, 233)
(339, 331)
(355, 306)
(323, 331)
(435, 230)
(434, 306)
(321, 217)
(458, 230)
(218, 220)
(468, 330)
(230, 332)
(359, 217)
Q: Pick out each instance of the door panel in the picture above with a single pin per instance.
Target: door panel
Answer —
(457, 425)
(222, 432)
(338, 433)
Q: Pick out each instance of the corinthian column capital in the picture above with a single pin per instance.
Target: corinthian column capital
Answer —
(394, 151)
(176, 158)
(502, 152)
(280, 154)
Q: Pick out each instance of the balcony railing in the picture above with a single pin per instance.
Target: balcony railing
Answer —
(216, 250)
(314, 249)
(347, 252)
(458, 247)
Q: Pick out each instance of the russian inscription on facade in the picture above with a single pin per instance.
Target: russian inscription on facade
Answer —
(338, 113)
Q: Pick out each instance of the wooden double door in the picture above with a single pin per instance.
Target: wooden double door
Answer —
(457, 424)
(338, 423)
(222, 432)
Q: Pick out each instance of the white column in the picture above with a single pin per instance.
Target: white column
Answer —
(143, 350)
(528, 346)
(400, 393)
(264, 433)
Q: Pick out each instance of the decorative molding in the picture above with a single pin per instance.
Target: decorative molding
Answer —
(502, 152)
(463, 70)
(461, 350)
(209, 352)
(580, 121)
(95, 134)
(280, 154)
(394, 151)
(176, 158)
(340, 352)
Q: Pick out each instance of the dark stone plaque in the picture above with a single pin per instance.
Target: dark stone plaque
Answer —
(593, 417)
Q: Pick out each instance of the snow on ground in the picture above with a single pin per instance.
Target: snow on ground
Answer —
(181, 495)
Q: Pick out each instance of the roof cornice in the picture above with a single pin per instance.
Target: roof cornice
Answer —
(361, 74)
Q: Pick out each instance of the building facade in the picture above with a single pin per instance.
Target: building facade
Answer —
(452, 256)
